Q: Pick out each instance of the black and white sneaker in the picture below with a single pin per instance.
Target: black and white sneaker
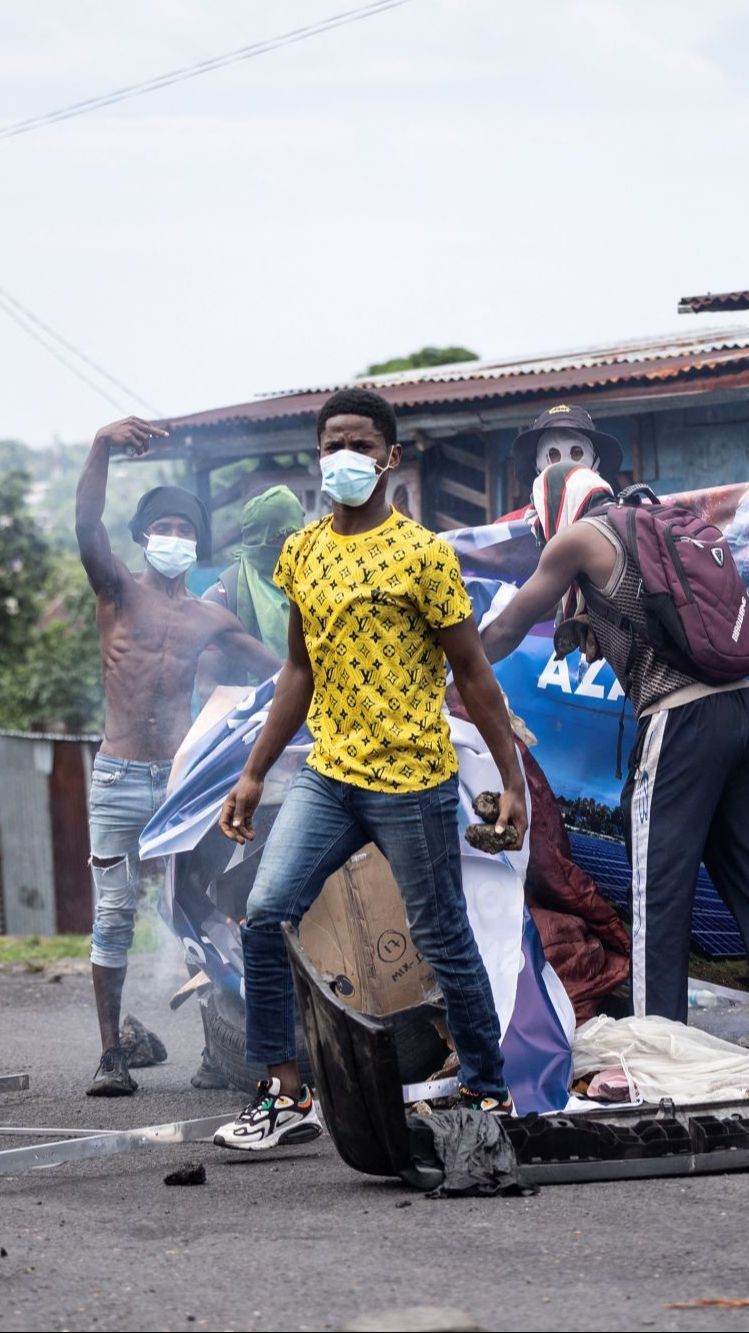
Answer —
(270, 1120)
(497, 1103)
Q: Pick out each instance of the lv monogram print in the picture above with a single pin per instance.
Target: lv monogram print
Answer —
(370, 606)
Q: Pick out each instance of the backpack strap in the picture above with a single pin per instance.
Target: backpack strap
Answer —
(602, 607)
(635, 494)
(230, 579)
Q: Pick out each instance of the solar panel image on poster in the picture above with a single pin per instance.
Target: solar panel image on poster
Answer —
(714, 930)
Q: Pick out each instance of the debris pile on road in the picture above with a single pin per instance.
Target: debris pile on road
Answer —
(140, 1046)
(473, 1150)
(192, 1173)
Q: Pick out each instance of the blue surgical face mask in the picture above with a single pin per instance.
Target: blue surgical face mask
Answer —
(350, 478)
(171, 556)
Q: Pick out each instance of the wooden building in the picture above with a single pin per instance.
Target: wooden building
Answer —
(679, 405)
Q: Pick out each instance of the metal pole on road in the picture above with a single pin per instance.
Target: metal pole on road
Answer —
(108, 1142)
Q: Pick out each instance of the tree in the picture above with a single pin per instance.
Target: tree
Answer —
(427, 356)
(24, 565)
(50, 675)
(49, 653)
(53, 473)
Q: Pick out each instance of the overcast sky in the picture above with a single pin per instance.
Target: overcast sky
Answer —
(515, 175)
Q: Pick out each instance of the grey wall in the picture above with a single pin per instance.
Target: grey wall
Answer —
(26, 836)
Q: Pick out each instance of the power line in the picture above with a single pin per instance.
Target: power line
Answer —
(57, 355)
(203, 67)
(6, 299)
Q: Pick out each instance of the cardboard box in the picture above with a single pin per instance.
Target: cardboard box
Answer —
(357, 933)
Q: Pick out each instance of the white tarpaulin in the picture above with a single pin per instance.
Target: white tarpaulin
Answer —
(663, 1058)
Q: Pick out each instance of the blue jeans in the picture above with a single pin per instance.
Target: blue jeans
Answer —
(320, 825)
(124, 795)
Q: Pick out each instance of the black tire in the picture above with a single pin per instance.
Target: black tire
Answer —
(224, 1026)
(421, 1050)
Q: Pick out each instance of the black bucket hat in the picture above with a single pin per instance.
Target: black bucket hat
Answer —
(565, 416)
(164, 500)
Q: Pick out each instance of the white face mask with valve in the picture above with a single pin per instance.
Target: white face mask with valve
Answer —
(171, 556)
(349, 478)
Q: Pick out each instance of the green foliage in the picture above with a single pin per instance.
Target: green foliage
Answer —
(52, 681)
(49, 655)
(53, 474)
(14, 456)
(50, 675)
(427, 356)
(36, 951)
(24, 564)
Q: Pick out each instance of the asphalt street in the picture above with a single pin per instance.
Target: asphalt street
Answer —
(294, 1239)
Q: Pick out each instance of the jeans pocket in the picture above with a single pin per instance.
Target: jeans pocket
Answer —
(439, 806)
(104, 778)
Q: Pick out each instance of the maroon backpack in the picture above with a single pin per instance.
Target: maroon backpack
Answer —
(693, 597)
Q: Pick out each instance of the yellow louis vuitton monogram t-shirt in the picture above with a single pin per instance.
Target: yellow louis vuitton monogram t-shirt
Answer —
(370, 606)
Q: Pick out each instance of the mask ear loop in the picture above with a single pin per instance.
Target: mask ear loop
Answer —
(386, 468)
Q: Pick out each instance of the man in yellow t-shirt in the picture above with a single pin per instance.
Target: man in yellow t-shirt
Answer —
(377, 606)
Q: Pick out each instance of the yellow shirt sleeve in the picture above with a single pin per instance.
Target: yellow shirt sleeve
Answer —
(441, 594)
(283, 574)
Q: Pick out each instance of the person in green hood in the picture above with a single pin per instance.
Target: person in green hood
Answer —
(246, 587)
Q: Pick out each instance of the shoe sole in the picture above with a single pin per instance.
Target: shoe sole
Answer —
(111, 1092)
(297, 1134)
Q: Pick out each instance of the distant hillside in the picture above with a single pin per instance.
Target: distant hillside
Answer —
(54, 472)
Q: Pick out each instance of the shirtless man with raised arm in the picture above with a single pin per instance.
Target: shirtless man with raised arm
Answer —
(152, 632)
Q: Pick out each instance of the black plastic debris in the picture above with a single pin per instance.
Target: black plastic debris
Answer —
(472, 1150)
(354, 1058)
(663, 1140)
(193, 1173)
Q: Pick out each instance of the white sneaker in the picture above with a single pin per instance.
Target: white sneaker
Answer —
(270, 1120)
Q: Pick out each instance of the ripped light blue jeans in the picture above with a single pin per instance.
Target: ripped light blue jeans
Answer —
(125, 794)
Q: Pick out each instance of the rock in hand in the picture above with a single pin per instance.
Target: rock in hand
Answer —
(484, 836)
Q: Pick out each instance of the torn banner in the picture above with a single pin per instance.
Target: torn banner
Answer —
(535, 1013)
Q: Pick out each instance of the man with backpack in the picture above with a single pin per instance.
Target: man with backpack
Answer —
(654, 589)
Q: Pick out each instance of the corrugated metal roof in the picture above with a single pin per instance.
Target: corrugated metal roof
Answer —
(722, 303)
(666, 360)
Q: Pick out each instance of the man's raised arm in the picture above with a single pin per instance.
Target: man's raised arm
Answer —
(562, 561)
(93, 542)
